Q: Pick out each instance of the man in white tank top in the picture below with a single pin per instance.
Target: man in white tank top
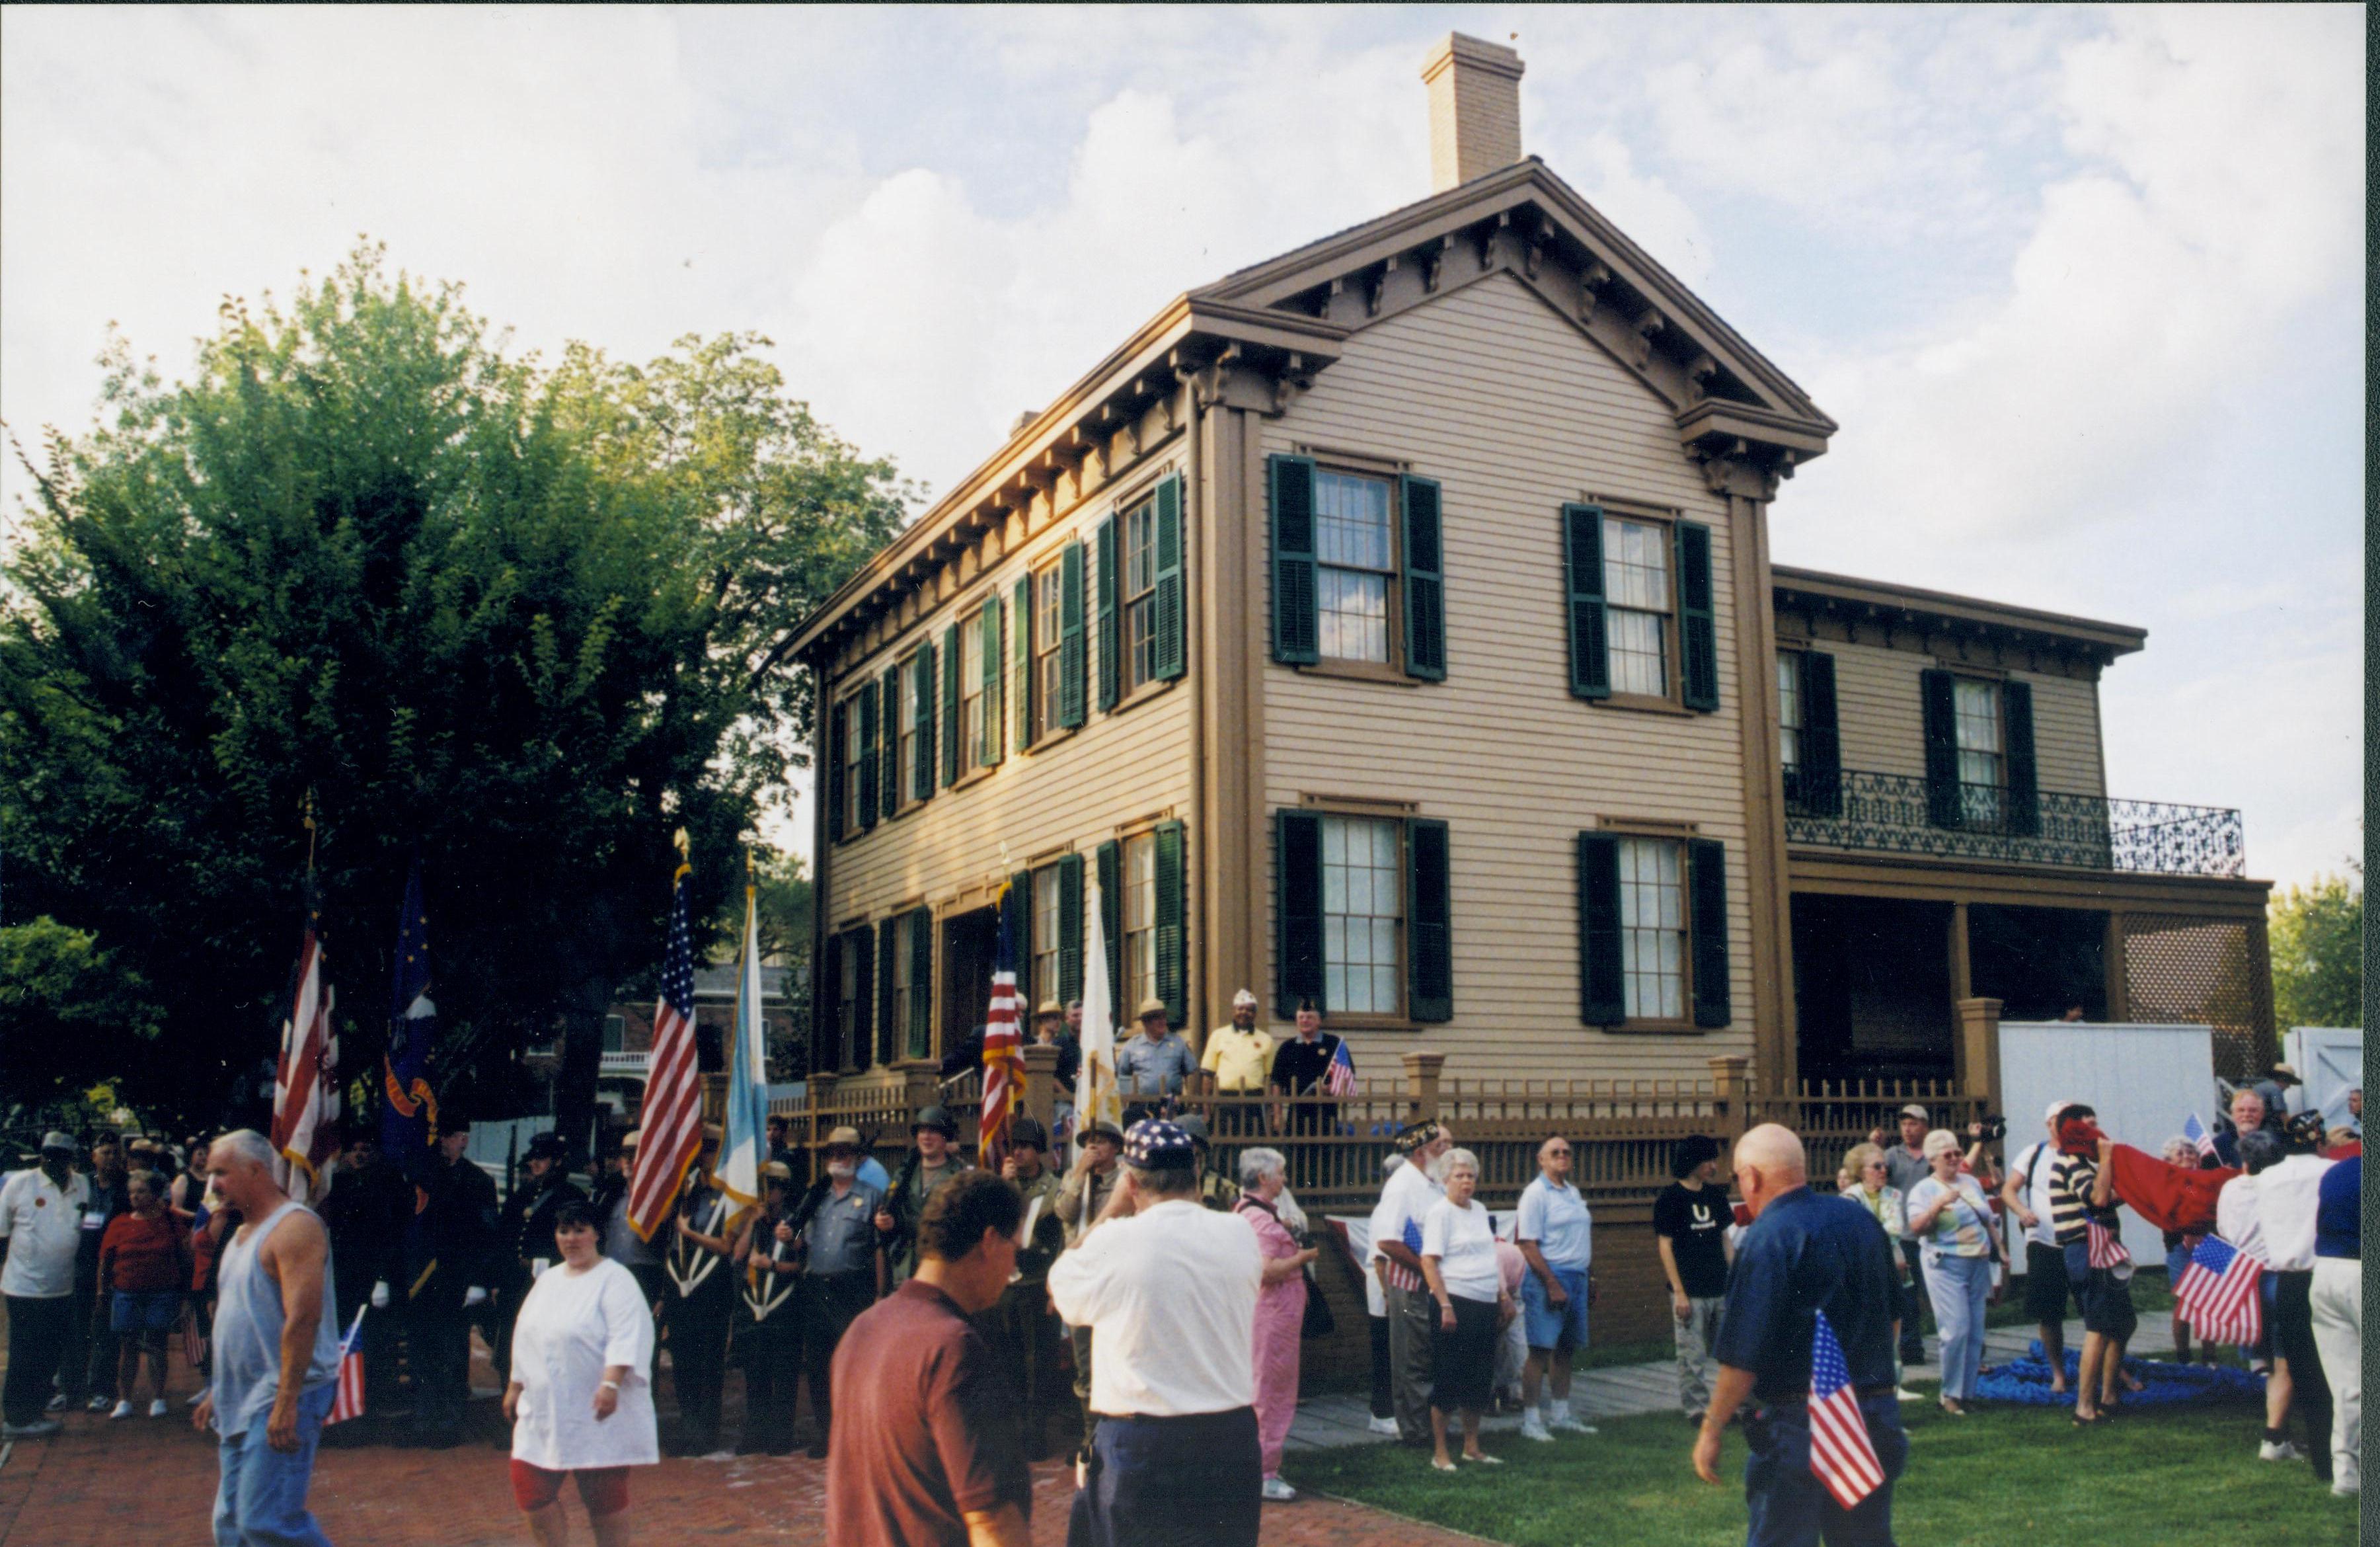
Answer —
(277, 1352)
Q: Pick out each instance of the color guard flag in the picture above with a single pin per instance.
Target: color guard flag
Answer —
(349, 1403)
(306, 1080)
(1001, 1040)
(2220, 1294)
(408, 1111)
(743, 1147)
(1841, 1454)
(671, 1115)
(1340, 1079)
(2195, 1131)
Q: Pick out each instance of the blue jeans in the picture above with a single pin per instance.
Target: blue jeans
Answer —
(262, 1500)
(1789, 1506)
(1958, 1286)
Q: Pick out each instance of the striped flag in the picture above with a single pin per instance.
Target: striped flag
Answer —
(349, 1403)
(1841, 1454)
(306, 1080)
(671, 1115)
(1340, 1079)
(1002, 1039)
(2195, 1131)
(2219, 1294)
(743, 1147)
(2106, 1247)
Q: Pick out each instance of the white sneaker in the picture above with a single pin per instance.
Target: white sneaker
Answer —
(2280, 1450)
(1533, 1428)
(157, 1409)
(2345, 1489)
(1903, 1393)
(122, 1410)
(97, 1404)
(1277, 1492)
(1570, 1423)
(1382, 1426)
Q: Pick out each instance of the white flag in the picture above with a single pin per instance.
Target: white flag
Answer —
(1094, 1083)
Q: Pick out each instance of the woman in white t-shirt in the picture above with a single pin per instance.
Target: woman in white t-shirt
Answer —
(1458, 1259)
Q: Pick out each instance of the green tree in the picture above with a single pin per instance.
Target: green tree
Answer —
(2317, 945)
(67, 1006)
(525, 623)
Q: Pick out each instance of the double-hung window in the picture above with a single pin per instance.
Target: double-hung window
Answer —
(1138, 594)
(1975, 708)
(903, 969)
(1363, 903)
(1638, 600)
(1789, 710)
(847, 990)
(1139, 919)
(1355, 553)
(1653, 929)
(917, 705)
(969, 665)
(1046, 937)
(1049, 615)
(854, 749)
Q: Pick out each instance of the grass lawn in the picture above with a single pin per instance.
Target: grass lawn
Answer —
(2149, 1479)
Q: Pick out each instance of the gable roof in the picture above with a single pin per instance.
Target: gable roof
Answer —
(1287, 317)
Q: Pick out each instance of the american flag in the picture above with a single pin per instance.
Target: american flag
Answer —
(349, 1403)
(306, 1080)
(2106, 1247)
(1339, 1079)
(1001, 1039)
(1841, 1454)
(2195, 1131)
(672, 1113)
(2220, 1293)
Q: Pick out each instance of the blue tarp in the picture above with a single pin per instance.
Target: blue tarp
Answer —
(2026, 1380)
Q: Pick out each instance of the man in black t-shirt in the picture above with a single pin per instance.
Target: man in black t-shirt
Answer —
(1690, 1220)
(1301, 1066)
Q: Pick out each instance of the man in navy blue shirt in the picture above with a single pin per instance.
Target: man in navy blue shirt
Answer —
(1805, 1253)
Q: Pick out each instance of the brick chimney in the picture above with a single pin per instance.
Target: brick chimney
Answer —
(1474, 109)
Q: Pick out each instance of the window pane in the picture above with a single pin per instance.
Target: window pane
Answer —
(1351, 520)
(1355, 614)
(1789, 710)
(1635, 565)
(1362, 897)
(1636, 654)
(1978, 715)
(1140, 551)
(1652, 924)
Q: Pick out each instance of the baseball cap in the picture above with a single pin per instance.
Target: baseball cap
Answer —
(1914, 1110)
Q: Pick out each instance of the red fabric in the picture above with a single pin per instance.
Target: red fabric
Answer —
(2078, 1136)
(603, 1490)
(141, 1256)
(2348, 1151)
(2169, 1197)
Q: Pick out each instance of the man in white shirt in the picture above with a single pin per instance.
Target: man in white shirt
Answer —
(40, 1225)
(1405, 1199)
(2269, 1215)
(2026, 1193)
(1168, 1290)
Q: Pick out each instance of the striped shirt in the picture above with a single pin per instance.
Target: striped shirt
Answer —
(2070, 1181)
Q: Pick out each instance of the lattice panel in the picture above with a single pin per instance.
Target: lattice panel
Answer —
(2215, 972)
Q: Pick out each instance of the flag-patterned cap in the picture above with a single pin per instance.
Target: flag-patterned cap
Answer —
(1155, 1145)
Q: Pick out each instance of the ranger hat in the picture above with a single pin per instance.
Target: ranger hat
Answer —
(938, 1119)
(1099, 1127)
(1150, 1007)
(1157, 1145)
(1047, 1008)
(1024, 1131)
(845, 1139)
(777, 1170)
(632, 1138)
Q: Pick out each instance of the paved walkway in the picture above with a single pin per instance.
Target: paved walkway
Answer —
(1327, 1421)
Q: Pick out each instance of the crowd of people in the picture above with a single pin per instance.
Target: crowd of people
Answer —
(932, 1312)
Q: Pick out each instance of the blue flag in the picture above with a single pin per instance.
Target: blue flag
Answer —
(408, 1113)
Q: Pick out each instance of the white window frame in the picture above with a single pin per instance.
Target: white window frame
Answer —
(1327, 569)
(1789, 710)
(1138, 868)
(1048, 618)
(1351, 881)
(853, 817)
(1655, 955)
(1047, 941)
(1137, 592)
(1979, 739)
(969, 665)
(1623, 604)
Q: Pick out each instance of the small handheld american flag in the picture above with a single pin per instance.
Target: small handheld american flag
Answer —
(1340, 1079)
(2220, 1293)
(2195, 1131)
(1841, 1454)
(349, 1403)
(2106, 1247)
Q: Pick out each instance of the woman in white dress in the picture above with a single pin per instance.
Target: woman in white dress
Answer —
(581, 1398)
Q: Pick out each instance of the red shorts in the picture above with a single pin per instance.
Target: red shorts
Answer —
(603, 1490)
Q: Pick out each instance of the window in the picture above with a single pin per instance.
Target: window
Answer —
(1976, 722)
(615, 1033)
(969, 665)
(1046, 926)
(903, 970)
(1636, 593)
(1139, 921)
(1653, 929)
(1363, 901)
(1049, 595)
(854, 749)
(1789, 710)
(916, 708)
(1355, 555)
(847, 1001)
(1138, 594)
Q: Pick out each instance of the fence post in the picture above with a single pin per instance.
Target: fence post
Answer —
(1422, 1070)
(1731, 1094)
(1979, 1050)
(1041, 1085)
(917, 1083)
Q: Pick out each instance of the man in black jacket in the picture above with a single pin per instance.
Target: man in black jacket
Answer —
(525, 1231)
(458, 1245)
(367, 1213)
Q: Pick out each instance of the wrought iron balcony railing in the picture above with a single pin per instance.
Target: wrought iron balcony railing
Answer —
(1902, 813)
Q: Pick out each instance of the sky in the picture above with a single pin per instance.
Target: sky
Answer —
(2083, 287)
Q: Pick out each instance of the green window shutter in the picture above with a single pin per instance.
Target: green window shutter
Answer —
(922, 984)
(995, 728)
(1109, 860)
(1173, 651)
(1172, 935)
(1020, 940)
(1425, 582)
(1297, 625)
(1602, 995)
(1070, 928)
(837, 729)
(2024, 772)
(1590, 648)
(1111, 633)
(924, 783)
(888, 1035)
(825, 1052)
(1706, 924)
(1430, 938)
(1072, 646)
(1025, 684)
(1820, 791)
(868, 799)
(1298, 909)
(953, 755)
(1697, 626)
(863, 978)
(888, 757)
(1938, 692)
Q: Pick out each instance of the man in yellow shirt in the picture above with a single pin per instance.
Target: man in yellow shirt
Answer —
(1240, 1057)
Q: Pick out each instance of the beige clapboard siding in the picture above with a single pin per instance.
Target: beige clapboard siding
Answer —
(1515, 413)
(1880, 711)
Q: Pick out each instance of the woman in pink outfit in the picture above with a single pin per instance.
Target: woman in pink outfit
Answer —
(1280, 1308)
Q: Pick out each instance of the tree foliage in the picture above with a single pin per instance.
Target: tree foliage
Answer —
(2317, 946)
(524, 622)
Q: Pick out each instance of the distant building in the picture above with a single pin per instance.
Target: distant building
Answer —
(628, 1033)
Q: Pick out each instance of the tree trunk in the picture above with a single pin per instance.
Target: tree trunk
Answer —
(582, 1058)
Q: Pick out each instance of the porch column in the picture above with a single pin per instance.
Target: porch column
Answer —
(1962, 983)
(1041, 1085)
(1421, 1084)
(2111, 955)
(1979, 1050)
(1730, 1093)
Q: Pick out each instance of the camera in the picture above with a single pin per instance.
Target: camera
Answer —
(1993, 1125)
